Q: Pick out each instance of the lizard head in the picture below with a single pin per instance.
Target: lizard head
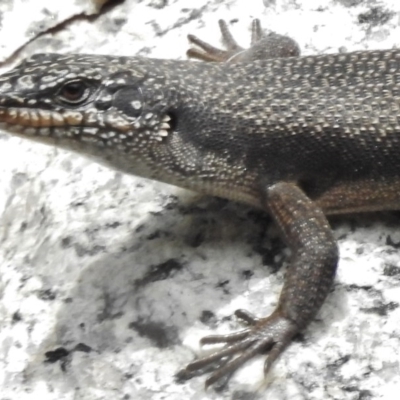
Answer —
(96, 105)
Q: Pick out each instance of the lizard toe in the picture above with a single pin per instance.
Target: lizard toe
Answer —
(271, 334)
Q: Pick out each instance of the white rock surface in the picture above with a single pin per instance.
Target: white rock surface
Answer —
(22, 21)
(118, 277)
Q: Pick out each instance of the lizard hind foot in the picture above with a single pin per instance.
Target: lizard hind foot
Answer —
(213, 54)
(271, 334)
(263, 46)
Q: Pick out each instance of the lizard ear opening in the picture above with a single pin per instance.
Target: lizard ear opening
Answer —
(172, 120)
(166, 126)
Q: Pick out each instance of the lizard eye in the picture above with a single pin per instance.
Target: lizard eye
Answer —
(74, 92)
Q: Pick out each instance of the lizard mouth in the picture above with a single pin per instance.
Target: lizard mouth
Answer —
(28, 121)
(50, 127)
(83, 125)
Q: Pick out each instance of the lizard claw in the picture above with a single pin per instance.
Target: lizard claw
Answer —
(271, 334)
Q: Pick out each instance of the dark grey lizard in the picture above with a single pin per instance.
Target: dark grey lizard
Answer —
(299, 137)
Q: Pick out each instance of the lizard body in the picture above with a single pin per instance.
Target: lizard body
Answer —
(299, 137)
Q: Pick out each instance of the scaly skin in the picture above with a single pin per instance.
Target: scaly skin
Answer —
(299, 137)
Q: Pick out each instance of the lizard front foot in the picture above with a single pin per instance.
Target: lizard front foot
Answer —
(271, 334)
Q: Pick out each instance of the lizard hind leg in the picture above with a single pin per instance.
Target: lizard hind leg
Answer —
(263, 46)
(308, 280)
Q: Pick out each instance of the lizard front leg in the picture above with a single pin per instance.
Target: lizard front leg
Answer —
(263, 46)
(307, 282)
